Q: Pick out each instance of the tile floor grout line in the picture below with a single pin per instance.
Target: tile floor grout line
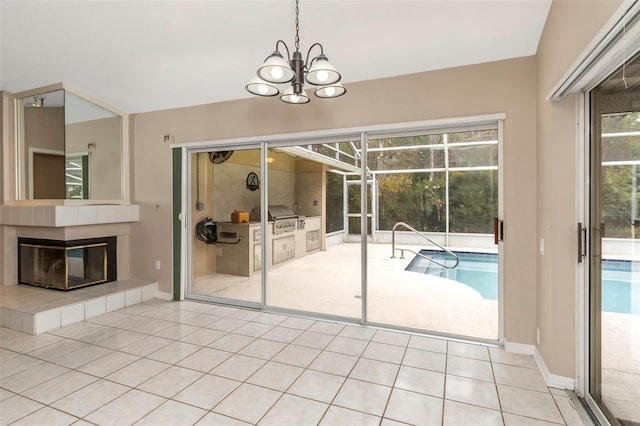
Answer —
(395, 379)
(177, 339)
(444, 389)
(555, 402)
(495, 384)
(245, 380)
(330, 404)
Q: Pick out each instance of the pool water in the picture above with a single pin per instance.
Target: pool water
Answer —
(620, 279)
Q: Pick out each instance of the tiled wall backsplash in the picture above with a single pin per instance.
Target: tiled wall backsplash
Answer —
(284, 188)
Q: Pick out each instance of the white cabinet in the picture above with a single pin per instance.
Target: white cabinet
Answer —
(238, 259)
(257, 257)
(245, 258)
(284, 248)
(313, 240)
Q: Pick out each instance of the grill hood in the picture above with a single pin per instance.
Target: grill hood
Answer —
(278, 211)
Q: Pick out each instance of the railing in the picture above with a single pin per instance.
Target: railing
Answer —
(402, 250)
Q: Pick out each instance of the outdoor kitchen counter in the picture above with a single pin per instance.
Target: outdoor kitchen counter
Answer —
(245, 258)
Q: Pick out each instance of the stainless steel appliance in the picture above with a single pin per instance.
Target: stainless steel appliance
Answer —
(284, 220)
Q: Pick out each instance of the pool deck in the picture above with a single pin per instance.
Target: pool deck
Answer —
(328, 282)
(621, 364)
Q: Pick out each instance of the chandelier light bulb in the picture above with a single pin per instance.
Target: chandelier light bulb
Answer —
(323, 75)
(291, 97)
(277, 73)
(275, 69)
(330, 91)
(259, 87)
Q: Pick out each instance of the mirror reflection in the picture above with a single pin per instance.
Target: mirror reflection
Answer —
(68, 148)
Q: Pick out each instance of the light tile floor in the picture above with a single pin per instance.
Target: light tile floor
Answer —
(149, 365)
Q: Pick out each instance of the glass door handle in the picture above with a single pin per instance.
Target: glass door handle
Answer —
(582, 242)
(498, 230)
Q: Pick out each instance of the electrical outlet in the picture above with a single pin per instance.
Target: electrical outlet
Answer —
(157, 265)
(541, 246)
(537, 336)
(199, 205)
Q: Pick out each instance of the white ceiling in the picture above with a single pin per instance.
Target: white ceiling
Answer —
(152, 55)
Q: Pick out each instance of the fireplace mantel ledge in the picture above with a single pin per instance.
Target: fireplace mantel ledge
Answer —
(64, 216)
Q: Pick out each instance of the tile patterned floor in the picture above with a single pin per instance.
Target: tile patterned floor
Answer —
(185, 363)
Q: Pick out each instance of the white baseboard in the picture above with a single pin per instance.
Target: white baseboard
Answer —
(164, 296)
(519, 348)
(552, 380)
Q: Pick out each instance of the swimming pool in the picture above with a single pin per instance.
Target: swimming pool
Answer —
(620, 278)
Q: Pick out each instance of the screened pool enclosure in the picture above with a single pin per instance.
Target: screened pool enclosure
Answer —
(320, 216)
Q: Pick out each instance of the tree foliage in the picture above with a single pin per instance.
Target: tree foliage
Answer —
(619, 182)
(420, 198)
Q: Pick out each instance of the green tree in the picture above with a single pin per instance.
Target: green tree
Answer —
(619, 182)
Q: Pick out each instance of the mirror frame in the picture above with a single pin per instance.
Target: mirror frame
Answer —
(16, 189)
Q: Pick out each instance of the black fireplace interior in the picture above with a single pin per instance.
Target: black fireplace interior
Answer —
(66, 265)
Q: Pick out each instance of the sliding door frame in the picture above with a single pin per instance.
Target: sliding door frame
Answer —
(274, 141)
(585, 167)
(189, 226)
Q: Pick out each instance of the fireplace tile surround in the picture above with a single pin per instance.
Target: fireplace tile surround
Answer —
(63, 222)
(60, 216)
(36, 310)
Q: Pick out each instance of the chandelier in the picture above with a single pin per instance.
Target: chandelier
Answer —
(276, 70)
(38, 101)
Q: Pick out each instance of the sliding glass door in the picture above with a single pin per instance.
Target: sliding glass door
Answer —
(614, 288)
(310, 226)
(435, 262)
(305, 272)
(226, 238)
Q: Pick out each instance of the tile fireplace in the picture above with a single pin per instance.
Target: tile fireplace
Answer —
(67, 265)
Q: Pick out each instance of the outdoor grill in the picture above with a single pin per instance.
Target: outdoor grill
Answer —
(283, 218)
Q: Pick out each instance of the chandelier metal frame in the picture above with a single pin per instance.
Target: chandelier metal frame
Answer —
(317, 71)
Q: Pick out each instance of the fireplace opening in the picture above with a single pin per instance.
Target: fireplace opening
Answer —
(66, 265)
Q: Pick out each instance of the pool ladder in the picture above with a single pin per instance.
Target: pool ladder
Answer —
(402, 250)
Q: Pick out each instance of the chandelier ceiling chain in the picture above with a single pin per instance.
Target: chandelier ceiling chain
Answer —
(297, 43)
(276, 70)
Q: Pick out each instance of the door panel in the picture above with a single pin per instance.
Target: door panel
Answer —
(614, 287)
(225, 247)
(304, 273)
(444, 186)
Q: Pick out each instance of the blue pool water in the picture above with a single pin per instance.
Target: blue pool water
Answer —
(620, 279)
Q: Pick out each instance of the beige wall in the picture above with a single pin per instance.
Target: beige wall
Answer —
(43, 129)
(2, 138)
(571, 25)
(497, 87)
(204, 255)
(309, 193)
(105, 164)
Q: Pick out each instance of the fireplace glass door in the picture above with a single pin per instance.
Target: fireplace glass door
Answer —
(62, 265)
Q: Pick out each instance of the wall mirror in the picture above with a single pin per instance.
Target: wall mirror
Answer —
(69, 148)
